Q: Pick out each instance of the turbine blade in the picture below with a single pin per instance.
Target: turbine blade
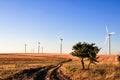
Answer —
(112, 33)
(60, 35)
(106, 40)
(107, 30)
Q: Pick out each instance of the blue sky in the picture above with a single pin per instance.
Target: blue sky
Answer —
(30, 21)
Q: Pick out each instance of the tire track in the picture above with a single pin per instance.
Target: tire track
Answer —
(57, 73)
(31, 74)
(42, 73)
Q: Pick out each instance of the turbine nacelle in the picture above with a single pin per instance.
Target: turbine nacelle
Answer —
(109, 32)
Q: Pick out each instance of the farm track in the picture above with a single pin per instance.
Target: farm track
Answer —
(42, 73)
(57, 74)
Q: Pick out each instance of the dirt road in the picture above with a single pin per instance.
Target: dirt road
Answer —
(42, 73)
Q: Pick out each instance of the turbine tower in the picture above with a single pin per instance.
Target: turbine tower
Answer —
(61, 40)
(108, 38)
(61, 45)
(25, 47)
(42, 49)
(38, 47)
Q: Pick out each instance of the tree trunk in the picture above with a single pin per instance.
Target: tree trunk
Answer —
(89, 65)
(82, 62)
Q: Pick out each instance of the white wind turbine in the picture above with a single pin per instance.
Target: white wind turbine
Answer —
(108, 38)
(61, 40)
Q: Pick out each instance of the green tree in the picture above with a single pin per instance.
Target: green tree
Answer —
(85, 50)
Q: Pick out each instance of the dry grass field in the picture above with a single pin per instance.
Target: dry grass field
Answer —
(107, 68)
(14, 63)
(32, 66)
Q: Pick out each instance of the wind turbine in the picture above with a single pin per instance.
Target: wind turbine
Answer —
(61, 45)
(38, 47)
(108, 38)
(25, 47)
(61, 40)
(42, 49)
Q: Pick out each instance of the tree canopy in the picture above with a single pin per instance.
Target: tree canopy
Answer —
(85, 50)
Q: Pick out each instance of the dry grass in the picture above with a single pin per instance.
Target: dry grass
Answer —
(13, 63)
(106, 69)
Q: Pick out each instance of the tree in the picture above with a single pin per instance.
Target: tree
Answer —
(85, 50)
(118, 58)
